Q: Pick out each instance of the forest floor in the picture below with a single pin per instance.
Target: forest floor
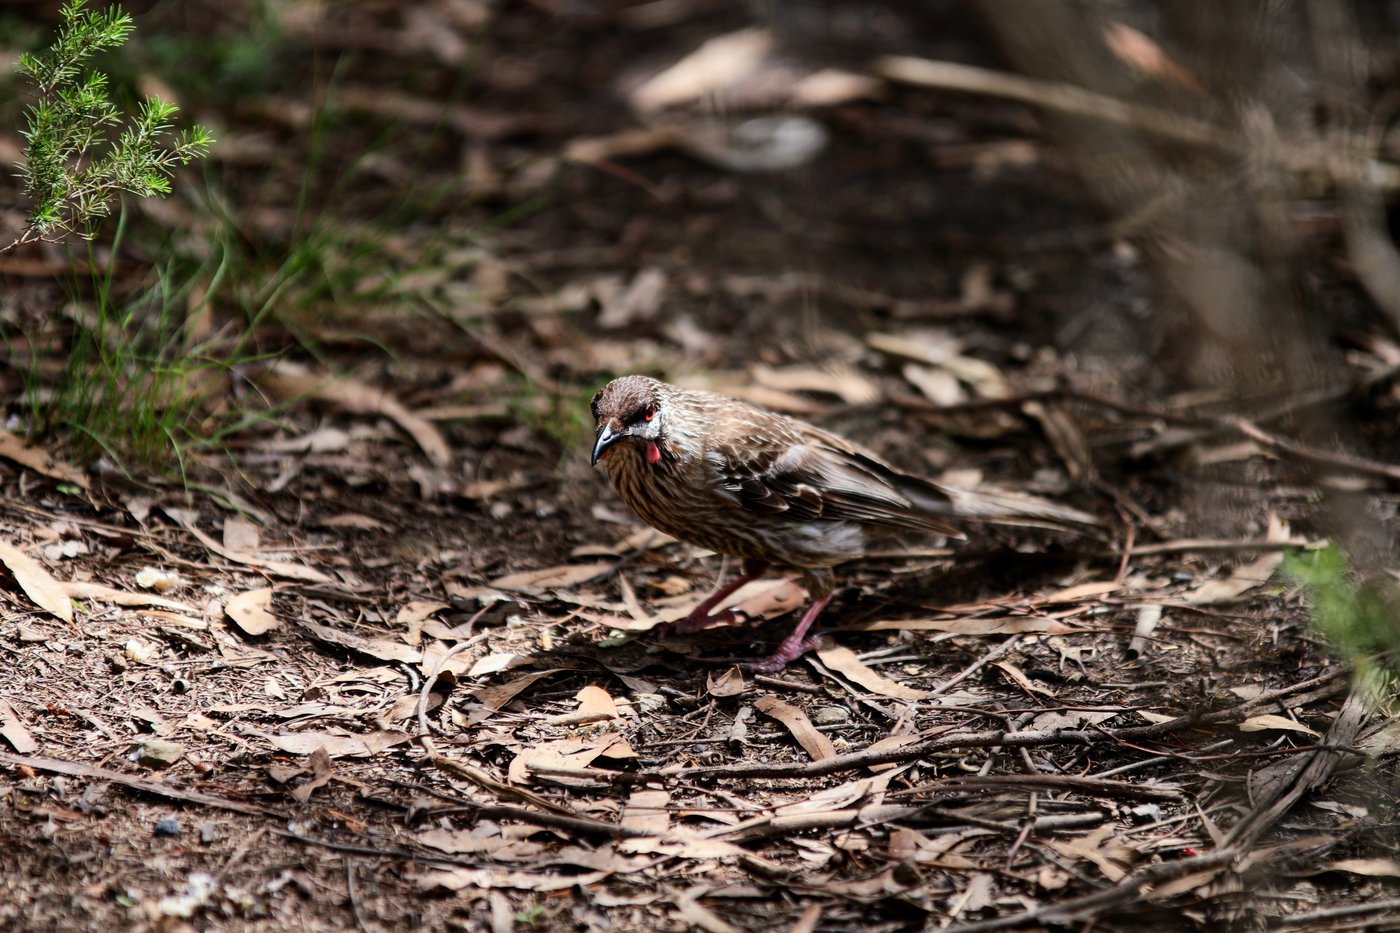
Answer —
(382, 657)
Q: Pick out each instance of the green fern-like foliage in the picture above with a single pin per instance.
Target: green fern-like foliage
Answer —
(73, 172)
(1358, 619)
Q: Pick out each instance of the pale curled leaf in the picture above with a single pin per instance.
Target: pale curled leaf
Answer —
(322, 771)
(412, 616)
(716, 64)
(593, 700)
(695, 916)
(36, 582)
(1080, 592)
(336, 746)
(497, 661)
(491, 698)
(843, 381)
(844, 662)
(1006, 625)
(1139, 52)
(1240, 581)
(1270, 721)
(549, 578)
(251, 611)
(1371, 867)
(106, 594)
(1108, 854)
(289, 382)
(475, 879)
(385, 649)
(1243, 579)
(1382, 739)
(187, 520)
(1021, 680)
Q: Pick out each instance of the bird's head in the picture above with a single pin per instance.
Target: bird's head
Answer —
(631, 409)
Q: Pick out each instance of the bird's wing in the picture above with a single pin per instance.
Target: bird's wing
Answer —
(809, 475)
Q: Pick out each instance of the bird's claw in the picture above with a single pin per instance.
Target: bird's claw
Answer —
(790, 650)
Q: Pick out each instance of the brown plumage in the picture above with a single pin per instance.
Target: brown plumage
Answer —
(746, 482)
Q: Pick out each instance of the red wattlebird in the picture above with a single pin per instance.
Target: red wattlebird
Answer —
(736, 479)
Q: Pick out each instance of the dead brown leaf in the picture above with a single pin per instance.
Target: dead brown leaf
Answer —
(594, 704)
(14, 730)
(1110, 855)
(36, 582)
(567, 754)
(696, 917)
(480, 840)
(412, 616)
(1370, 867)
(321, 769)
(813, 742)
(975, 897)
(251, 611)
(12, 447)
(240, 535)
(1020, 679)
(1240, 581)
(645, 811)
(727, 683)
(842, 381)
(460, 879)
(1245, 578)
(1139, 52)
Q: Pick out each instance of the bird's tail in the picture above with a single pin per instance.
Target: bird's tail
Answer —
(997, 506)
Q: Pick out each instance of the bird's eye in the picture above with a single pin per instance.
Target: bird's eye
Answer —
(649, 413)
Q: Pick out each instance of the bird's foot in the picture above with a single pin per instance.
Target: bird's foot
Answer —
(790, 650)
(699, 622)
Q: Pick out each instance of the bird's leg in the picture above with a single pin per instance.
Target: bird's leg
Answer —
(795, 645)
(701, 618)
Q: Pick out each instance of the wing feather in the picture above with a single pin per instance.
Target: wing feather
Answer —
(813, 477)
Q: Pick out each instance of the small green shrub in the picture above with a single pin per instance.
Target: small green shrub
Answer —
(1357, 618)
(73, 171)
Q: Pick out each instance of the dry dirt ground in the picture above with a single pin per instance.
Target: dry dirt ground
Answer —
(383, 661)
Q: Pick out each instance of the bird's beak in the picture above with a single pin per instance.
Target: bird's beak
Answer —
(606, 438)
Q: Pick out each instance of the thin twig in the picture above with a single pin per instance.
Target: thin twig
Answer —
(995, 654)
(160, 789)
(1348, 910)
(1363, 465)
(942, 742)
(1238, 844)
